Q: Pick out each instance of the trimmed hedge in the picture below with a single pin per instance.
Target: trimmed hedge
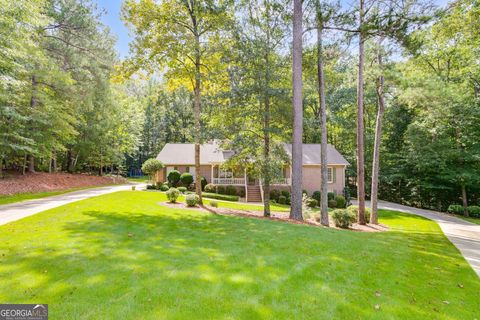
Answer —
(474, 211)
(231, 190)
(455, 208)
(317, 195)
(203, 182)
(282, 200)
(331, 196)
(341, 201)
(210, 188)
(221, 189)
(354, 210)
(332, 204)
(173, 194)
(186, 178)
(182, 189)
(311, 203)
(220, 196)
(173, 177)
(164, 187)
(192, 199)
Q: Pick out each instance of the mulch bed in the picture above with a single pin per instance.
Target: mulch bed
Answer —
(15, 183)
(276, 216)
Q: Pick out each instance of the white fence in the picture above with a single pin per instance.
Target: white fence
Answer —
(229, 181)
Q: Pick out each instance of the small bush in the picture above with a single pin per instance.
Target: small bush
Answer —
(331, 195)
(186, 179)
(305, 192)
(317, 195)
(231, 190)
(164, 187)
(286, 194)
(341, 201)
(354, 211)
(220, 196)
(133, 188)
(332, 203)
(343, 218)
(213, 204)
(192, 199)
(203, 182)
(210, 188)
(474, 211)
(151, 187)
(173, 177)
(221, 189)
(282, 200)
(242, 193)
(274, 194)
(173, 194)
(182, 189)
(311, 203)
(455, 208)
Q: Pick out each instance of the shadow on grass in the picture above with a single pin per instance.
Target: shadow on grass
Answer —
(196, 265)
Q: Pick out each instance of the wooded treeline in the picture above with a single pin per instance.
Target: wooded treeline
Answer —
(223, 69)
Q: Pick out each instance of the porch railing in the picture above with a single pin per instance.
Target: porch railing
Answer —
(282, 181)
(229, 181)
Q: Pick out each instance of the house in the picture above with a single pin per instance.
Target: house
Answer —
(181, 157)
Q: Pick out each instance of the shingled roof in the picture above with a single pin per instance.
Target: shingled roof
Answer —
(184, 154)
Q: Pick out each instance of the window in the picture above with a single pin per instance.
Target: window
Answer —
(330, 174)
(225, 173)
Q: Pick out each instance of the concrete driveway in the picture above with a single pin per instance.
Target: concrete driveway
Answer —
(19, 210)
(463, 234)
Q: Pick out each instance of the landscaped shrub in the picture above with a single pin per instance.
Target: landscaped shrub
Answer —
(286, 194)
(231, 190)
(151, 187)
(311, 203)
(203, 182)
(341, 201)
(354, 211)
(455, 208)
(242, 193)
(305, 192)
(192, 199)
(274, 194)
(173, 177)
(164, 187)
(332, 203)
(317, 195)
(151, 166)
(186, 179)
(221, 189)
(331, 195)
(474, 211)
(282, 200)
(210, 188)
(343, 218)
(213, 204)
(182, 189)
(173, 194)
(220, 196)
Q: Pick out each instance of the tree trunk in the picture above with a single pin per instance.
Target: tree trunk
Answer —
(24, 164)
(54, 162)
(33, 105)
(360, 130)
(196, 112)
(296, 201)
(266, 142)
(464, 200)
(323, 124)
(70, 161)
(378, 140)
(31, 163)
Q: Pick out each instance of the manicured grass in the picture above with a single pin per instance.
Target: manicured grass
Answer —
(183, 264)
(138, 179)
(469, 219)
(37, 195)
(246, 206)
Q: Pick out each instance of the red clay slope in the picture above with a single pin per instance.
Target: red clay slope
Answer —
(41, 182)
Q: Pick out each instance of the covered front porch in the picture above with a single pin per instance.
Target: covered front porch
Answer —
(240, 177)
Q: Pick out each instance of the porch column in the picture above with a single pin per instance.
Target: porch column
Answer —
(211, 179)
(246, 183)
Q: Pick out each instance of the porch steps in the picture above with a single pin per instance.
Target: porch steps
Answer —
(253, 194)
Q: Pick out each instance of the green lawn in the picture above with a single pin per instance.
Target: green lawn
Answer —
(183, 264)
(470, 219)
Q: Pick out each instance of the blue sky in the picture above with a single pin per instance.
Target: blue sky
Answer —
(112, 20)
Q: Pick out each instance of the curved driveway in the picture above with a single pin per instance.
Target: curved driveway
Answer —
(19, 210)
(463, 234)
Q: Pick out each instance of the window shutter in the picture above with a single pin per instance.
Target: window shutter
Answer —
(334, 172)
